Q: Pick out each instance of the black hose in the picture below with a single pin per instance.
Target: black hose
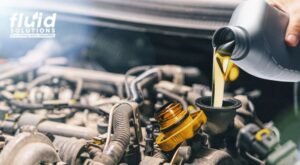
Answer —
(116, 148)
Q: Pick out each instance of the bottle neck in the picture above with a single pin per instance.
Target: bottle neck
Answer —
(230, 34)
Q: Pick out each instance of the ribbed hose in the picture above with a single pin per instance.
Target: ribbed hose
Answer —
(120, 140)
(121, 124)
(69, 149)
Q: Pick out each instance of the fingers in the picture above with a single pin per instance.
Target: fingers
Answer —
(292, 8)
(277, 4)
(293, 30)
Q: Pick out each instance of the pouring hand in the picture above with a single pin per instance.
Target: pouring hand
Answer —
(292, 8)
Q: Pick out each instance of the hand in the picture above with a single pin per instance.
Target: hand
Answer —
(292, 8)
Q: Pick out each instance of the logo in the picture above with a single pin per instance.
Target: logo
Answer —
(37, 25)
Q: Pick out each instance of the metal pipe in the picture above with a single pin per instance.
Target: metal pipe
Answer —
(56, 128)
(27, 148)
(66, 130)
(173, 96)
(149, 75)
(84, 74)
(36, 153)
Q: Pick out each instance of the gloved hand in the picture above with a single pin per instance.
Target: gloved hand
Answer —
(292, 8)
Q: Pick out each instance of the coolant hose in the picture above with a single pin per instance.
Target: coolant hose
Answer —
(116, 148)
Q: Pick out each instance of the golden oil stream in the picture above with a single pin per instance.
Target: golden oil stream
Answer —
(223, 70)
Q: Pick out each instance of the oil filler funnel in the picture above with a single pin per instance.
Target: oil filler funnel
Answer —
(219, 119)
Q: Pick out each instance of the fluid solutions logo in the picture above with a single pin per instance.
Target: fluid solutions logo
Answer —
(37, 25)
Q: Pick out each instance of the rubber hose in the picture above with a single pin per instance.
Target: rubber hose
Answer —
(120, 140)
(121, 124)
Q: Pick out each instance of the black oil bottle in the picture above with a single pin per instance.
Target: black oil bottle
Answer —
(255, 37)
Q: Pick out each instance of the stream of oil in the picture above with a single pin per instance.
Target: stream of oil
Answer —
(221, 70)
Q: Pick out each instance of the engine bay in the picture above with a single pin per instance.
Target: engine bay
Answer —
(54, 113)
(129, 82)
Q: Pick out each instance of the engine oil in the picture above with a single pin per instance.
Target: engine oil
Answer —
(223, 70)
(257, 31)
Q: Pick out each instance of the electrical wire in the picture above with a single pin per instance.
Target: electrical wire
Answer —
(254, 159)
(109, 129)
(276, 132)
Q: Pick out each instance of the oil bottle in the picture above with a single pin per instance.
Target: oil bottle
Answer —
(255, 41)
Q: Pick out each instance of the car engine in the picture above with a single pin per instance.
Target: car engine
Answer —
(55, 113)
(106, 82)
